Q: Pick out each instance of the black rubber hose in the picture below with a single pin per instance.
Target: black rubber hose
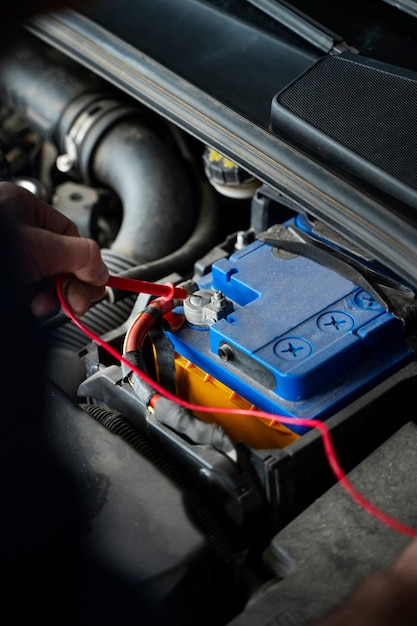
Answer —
(40, 84)
(158, 204)
(105, 139)
(181, 261)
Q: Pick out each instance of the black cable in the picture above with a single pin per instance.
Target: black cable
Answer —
(371, 281)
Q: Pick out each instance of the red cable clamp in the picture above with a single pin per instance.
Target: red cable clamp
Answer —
(143, 286)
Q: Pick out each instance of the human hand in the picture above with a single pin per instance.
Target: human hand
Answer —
(406, 567)
(386, 598)
(51, 245)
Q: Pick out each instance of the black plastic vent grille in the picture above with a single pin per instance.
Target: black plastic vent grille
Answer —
(369, 110)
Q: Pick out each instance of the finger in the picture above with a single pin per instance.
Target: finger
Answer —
(44, 304)
(79, 296)
(49, 254)
(33, 211)
(406, 564)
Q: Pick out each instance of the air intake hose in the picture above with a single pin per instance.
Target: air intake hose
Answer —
(107, 142)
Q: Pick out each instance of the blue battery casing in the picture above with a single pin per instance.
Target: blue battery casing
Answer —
(305, 341)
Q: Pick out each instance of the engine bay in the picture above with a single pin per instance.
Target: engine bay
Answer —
(289, 260)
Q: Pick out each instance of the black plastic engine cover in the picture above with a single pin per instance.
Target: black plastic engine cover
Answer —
(146, 559)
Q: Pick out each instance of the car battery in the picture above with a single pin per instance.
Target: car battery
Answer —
(286, 334)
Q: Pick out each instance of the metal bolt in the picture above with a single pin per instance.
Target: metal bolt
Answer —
(217, 300)
(64, 163)
(241, 240)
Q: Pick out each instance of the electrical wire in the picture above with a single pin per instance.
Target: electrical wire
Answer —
(282, 419)
(140, 327)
